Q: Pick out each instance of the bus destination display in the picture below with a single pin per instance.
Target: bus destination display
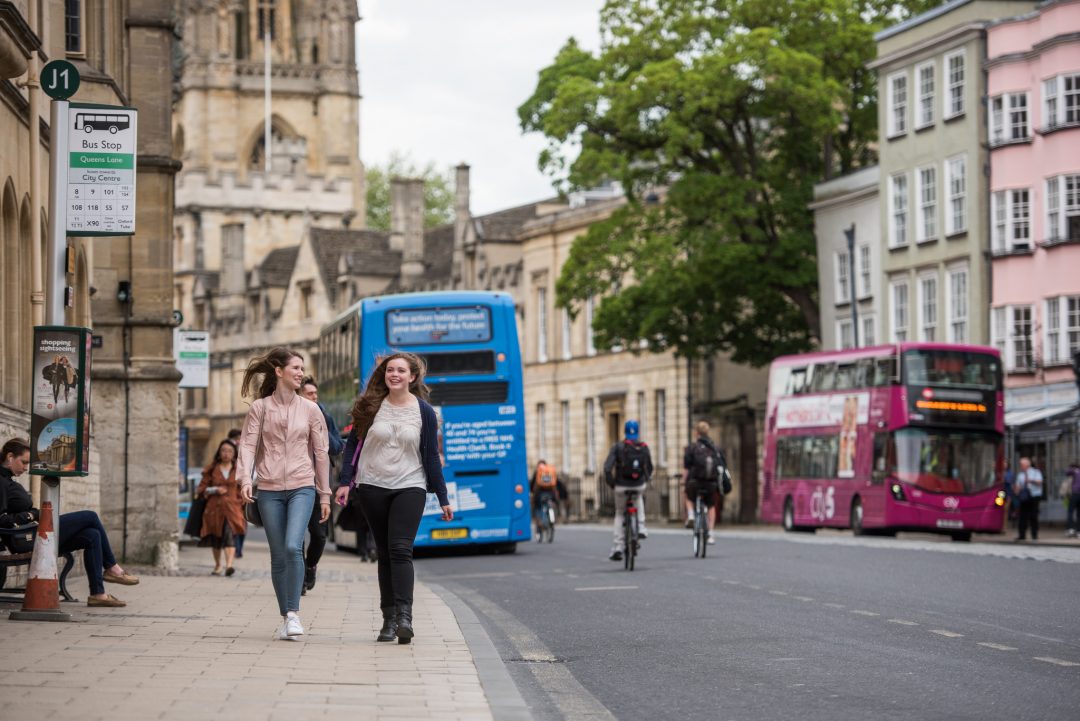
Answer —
(425, 326)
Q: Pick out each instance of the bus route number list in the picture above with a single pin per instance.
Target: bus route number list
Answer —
(101, 170)
(489, 440)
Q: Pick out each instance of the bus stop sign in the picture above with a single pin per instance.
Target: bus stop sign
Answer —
(60, 79)
(101, 169)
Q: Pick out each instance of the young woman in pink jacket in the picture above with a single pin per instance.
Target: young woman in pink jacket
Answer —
(284, 444)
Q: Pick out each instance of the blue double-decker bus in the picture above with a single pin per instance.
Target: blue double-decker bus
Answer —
(469, 342)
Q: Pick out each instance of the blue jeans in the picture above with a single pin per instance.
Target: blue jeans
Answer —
(83, 530)
(285, 517)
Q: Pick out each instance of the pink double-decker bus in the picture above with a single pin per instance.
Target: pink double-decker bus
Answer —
(905, 437)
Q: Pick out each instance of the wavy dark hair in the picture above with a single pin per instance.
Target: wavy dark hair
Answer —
(14, 447)
(260, 371)
(367, 405)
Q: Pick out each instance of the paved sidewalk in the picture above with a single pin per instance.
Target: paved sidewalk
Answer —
(195, 646)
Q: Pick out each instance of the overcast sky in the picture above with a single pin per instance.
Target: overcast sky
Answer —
(442, 81)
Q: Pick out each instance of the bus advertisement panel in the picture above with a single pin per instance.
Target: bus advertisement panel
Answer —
(469, 343)
(884, 439)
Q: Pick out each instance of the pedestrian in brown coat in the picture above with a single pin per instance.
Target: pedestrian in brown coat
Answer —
(223, 518)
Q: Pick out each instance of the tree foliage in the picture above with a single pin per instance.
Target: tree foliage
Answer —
(732, 110)
(438, 191)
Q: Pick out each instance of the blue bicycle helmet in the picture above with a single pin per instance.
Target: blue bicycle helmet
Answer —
(631, 430)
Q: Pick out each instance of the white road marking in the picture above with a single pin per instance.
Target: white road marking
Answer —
(607, 588)
(803, 598)
(864, 613)
(756, 588)
(902, 622)
(946, 634)
(1056, 661)
(779, 593)
(732, 583)
(997, 646)
(835, 605)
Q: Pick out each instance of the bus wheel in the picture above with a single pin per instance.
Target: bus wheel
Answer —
(789, 515)
(962, 536)
(857, 518)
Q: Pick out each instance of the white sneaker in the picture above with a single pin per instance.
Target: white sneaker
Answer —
(711, 540)
(282, 634)
(293, 627)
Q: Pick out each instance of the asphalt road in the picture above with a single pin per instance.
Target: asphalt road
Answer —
(780, 626)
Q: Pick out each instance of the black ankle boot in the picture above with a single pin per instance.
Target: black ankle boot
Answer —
(388, 632)
(404, 623)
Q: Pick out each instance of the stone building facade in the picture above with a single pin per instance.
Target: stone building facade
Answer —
(1033, 85)
(933, 188)
(133, 447)
(578, 397)
(840, 204)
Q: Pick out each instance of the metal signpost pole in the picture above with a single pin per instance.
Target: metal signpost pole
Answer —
(56, 257)
(850, 233)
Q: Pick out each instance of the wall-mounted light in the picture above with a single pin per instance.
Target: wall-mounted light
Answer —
(123, 292)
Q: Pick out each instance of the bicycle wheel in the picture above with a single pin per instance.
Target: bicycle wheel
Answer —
(631, 540)
(551, 524)
(703, 535)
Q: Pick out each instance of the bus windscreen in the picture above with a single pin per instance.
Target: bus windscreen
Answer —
(428, 326)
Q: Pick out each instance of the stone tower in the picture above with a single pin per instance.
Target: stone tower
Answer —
(233, 208)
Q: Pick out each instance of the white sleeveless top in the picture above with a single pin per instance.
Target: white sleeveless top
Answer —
(390, 457)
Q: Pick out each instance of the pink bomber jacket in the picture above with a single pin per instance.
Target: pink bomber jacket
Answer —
(294, 447)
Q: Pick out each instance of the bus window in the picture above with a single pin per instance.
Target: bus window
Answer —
(882, 465)
(824, 377)
(864, 373)
(796, 382)
(845, 378)
(884, 372)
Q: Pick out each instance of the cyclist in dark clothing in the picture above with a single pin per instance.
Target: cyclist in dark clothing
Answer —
(705, 469)
(627, 469)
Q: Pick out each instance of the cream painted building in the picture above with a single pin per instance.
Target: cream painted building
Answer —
(578, 398)
(123, 52)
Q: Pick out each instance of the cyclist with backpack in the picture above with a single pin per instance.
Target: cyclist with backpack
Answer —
(544, 483)
(705, 468)
(628, 469)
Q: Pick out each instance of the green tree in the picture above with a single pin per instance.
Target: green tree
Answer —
(438, 191)
(717, 116)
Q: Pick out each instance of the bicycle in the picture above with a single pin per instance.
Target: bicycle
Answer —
(701, 524)
(630, 531)
(545, 519)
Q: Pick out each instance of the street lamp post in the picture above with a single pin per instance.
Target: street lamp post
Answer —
(850, 234)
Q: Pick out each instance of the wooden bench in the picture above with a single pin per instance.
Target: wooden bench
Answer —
(14, 560)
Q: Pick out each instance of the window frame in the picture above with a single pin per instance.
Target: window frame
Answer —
(81, 52)
(951, 225)
(953, 89)
(842, 277)
(898, 217)
(865, 276)
(924, 102)
(896, 117)
(952, 306)
(926, 211)
(899, 334)
(541, 325)
(928, 302)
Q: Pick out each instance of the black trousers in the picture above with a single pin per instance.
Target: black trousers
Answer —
(1029, 517)
(394, 516)
(318, 532)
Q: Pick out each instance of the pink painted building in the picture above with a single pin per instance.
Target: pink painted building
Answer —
(1033, 117)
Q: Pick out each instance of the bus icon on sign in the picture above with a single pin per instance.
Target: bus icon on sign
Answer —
(89, 122)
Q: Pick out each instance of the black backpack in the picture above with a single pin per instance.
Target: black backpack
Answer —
(633, 459)
(705, 462)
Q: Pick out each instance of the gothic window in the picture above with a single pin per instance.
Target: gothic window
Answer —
(267, 18)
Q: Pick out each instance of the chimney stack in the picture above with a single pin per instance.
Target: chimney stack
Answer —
(462, 217)
(412, 259)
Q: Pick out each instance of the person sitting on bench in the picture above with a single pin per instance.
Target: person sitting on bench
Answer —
(78, 530)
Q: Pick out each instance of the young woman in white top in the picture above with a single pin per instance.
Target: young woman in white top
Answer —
(392, 459)
(292, 466)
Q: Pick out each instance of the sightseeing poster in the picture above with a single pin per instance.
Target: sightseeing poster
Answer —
(60, 414)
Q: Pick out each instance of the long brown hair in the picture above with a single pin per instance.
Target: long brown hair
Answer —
(367, 405)
(264, 366)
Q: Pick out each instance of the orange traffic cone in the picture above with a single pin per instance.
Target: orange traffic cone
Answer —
(42, 600)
